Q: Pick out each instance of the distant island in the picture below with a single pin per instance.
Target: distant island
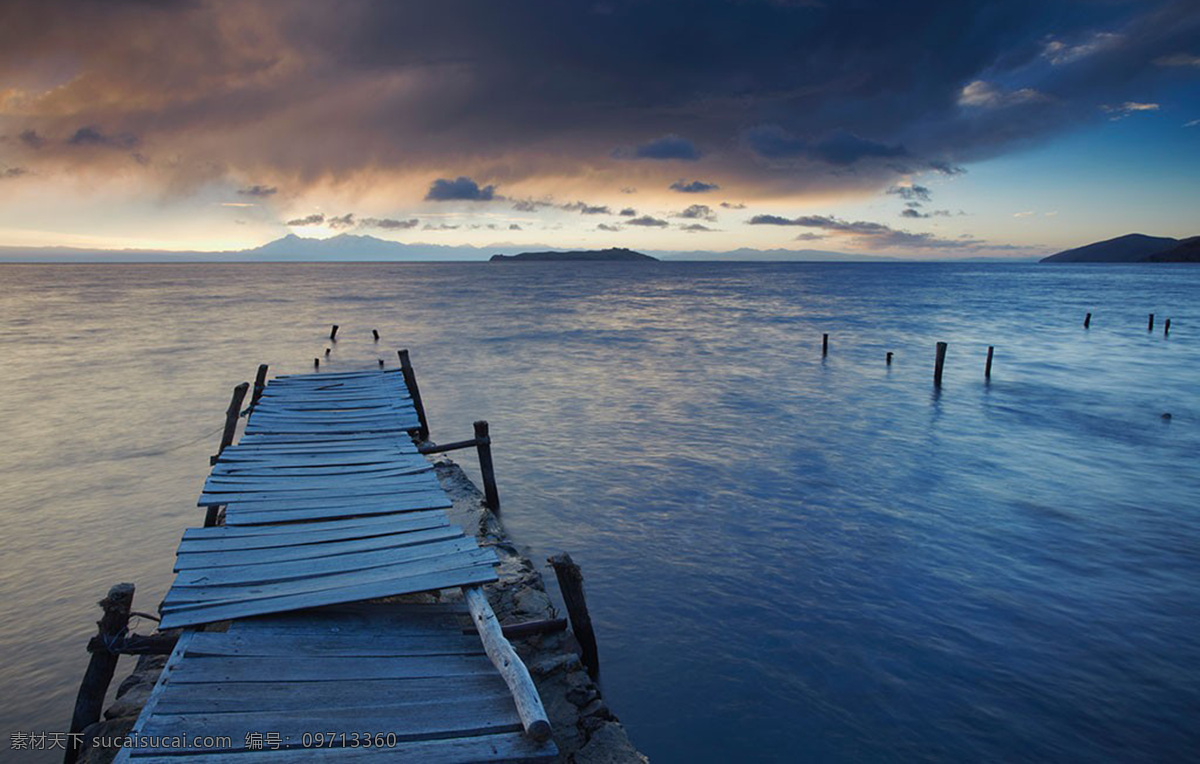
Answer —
(613, 254)
(1133, 248)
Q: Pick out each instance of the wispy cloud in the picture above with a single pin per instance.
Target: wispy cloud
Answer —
(1121, 111)
(257, 190)
(693, 187)
(647, 221)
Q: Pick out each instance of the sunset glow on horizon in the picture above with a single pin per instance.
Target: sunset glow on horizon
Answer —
(948, 130)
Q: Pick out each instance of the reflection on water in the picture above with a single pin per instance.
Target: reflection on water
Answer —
(786, 555)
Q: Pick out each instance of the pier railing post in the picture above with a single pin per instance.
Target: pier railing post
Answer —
(483, 443)
(570, 581)
(260, 384)
(101, 667)
(938, 362)
(232, 414)
(410, 381)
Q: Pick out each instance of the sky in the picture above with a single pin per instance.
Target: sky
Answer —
(938, 129)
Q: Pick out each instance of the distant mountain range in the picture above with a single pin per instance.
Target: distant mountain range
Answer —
(1133, 248)
(613, 254)
(354, 248)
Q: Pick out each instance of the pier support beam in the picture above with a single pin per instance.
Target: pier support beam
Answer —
(483, 444)
(98, 676)
(410, 381)
(232, 414)
(260, 384)
(570, 581)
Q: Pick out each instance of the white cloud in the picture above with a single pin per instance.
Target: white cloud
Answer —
(985, 95)
(1058, 52)
(1179, 59)
(1121, 111)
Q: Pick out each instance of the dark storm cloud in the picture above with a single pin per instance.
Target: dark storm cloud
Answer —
(667, 147)
(647, 222)
(259, 191)
(791, 96)
(697, 212)
(693, 187)
(31, 139)
(314, 219)
(841, 148)
(388, 224)
(870, 234)
(460, 189)
(584, 208)
(91, 136)
(911, 193)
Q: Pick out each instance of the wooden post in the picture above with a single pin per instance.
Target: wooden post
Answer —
(483, 443)
(938, 363)
(333, 333)
(232, 414)
(508, 663)
(375, 334)
(987, 369)
(316, 363)
(326, 352)
(824, 345)
(410, 381)
(1150, 323)
(380, 362)
(1087, 321)
(98, 676)
(570, 581)
(889, 358)
(260, 384)
(1167, 327)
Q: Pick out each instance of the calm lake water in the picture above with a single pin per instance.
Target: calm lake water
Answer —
(787, 557)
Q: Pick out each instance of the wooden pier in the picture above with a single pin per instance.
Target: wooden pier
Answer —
(327, 506)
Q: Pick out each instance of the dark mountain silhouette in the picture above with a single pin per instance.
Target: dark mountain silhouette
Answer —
(615, 254)
(1186, 251)
(1131, 248)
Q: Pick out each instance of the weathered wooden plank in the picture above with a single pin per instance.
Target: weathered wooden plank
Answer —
(397, 491)
(373, 590)
(395, 502)
(301, 535)
(497, 747)
(159, 689)
(387, 618)
(267, 470)
(216, 644)
(259, 483)
(236, 516)
(233, 697)
(226, 531)
(440, 541)
(194, 560)
(189, 597)
(272, 670)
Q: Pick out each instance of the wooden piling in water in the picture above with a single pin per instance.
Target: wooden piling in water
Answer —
(824, 345)
(380, 363)
(483, 444)
(327, 351)
(889, 358)
(1150, 323)
(987, 369)
(1087, 321)
(1167, 327)
(938, 363)
(316, 363)
(410, 381)
(333, 333)
(375, 334)
(260, 384)
(101, 666)
(570, 582)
